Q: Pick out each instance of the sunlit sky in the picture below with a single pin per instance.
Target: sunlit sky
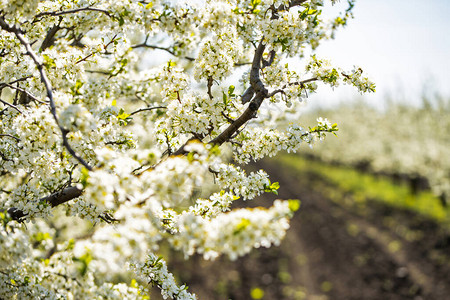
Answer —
(403, 45)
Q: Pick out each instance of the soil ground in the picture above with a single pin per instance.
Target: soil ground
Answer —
(330, 252)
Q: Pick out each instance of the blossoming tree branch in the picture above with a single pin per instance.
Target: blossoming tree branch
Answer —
(118, 122)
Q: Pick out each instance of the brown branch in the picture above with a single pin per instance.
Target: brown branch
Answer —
(255, 80)
(248, 114)
(54, 199)
(247, 95)
(256, 87)
(50, 37)
(210, 83)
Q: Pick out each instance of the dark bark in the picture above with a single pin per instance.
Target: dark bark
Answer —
(54, 199)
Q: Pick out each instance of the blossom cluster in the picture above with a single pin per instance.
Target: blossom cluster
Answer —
(155, 270)
(235, 179)
(323, 70)
(218, 55)
(269, 142)
(234, 233)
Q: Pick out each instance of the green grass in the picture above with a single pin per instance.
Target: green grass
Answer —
(366, 187)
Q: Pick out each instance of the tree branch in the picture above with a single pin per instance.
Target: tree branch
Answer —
(11, 136)
(301, 83)
(247, 95)
(257, 86)
(71, 11)
(145, 109)
(10, 105)
(168, 50)
(54, 199)
(255, 80)
(50, 37)
(25, 92)
(3, 85)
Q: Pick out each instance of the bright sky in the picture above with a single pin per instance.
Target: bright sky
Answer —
(402, 45)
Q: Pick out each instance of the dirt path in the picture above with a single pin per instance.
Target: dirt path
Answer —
(331, 252)
(358, 255)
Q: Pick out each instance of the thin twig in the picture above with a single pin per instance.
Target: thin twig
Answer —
(301, 83)
(11, 136)
(3, 85)
(240, 64)
(147, 108)
(66, 277)
(25, 92)
(70, 11)
(104, 47)
(168, 50)
(10, 105)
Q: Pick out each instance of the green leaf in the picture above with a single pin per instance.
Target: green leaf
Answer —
(272, 188)
(190, 157)
(294, 205)
(214, 150)
(121, 21)
(134, 283)
(70, 244)
(122, 115)
(41, 236)
(84, 261)
(84, 176)
(48, 61)
(77, 87)
(241, 226)
(256, 293)
(275, 185)
(231, 91)
(171, 64)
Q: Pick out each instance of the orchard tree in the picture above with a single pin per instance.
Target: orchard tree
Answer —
(118, 123)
